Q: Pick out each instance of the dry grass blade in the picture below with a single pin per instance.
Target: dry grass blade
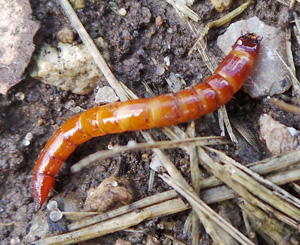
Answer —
(283, 2)
(119, 223)
(211, 140)
(295, 81)
(244, 181)
(196, 177)
(246, 133)
(180, 6)
(270, 229)
(222, 111)
(203, 210)
(288, 107)
(148, 201)
(266, 166)
(209, 196)
(217, 23)
(216, 225)
(285, 176)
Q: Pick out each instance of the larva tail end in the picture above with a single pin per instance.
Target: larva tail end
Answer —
(41, 185)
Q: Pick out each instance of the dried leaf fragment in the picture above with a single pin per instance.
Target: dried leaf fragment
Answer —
(16, 41)
(278, 137)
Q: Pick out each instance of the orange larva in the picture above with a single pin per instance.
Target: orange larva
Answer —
(159, 111)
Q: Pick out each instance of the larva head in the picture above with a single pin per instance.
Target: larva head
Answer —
(41, 186)
(248, 43)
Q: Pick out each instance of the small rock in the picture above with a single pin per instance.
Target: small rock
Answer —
(106, 95)
(121, 241)
(27, 139)
(66, 35)
(39, 228)
(110, 192)
(278, 137)
(221, 5)
(152, 240)
(20, 96)
(159, 21)
(166, 225)
(16, 37)
(68, 67)
(269, 75)
(122, 12)
(78, 4)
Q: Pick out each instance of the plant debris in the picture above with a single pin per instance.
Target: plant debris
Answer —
(278, 137)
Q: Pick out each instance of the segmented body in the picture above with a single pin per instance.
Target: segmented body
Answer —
(139, 114)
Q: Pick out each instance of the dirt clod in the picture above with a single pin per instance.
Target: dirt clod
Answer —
(111, 192)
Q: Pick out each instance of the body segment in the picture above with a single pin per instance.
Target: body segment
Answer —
(159, 111)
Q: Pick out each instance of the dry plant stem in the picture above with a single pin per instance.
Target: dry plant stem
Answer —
(88, 42)
(296, 187)
(209, 196)
(269, 165)
(217, 23)
(291, 65)
(246, 133)
(210, 140)
(292, 4)
(213, 222)
(203, 210)
(225, 118)
(295, 81)
(178, 5)
(282, 2)
(288, 107)
(244, 181)
(196, 177)
(248, 227)
(256, 177)
(176, 241)
(96, 230)
(116, 224)
(208, 60)
(271, 230)
(148, 201)
(296, 27)
(285, 177)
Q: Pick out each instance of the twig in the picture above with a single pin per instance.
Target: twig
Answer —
(217, 23)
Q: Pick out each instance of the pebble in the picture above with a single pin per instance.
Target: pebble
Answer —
(27, 139)
(69, 67)
(221, 5)
(106, 95)
(278, 137)
(111, 192)
(269, 75)
(78, 4)
(66, 35)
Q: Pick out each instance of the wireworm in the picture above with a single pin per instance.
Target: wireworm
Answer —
(159, 111)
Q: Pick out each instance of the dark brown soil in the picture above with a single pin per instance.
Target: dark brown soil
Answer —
(133, 44)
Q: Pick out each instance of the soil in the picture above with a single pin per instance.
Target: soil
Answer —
(152, 30)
